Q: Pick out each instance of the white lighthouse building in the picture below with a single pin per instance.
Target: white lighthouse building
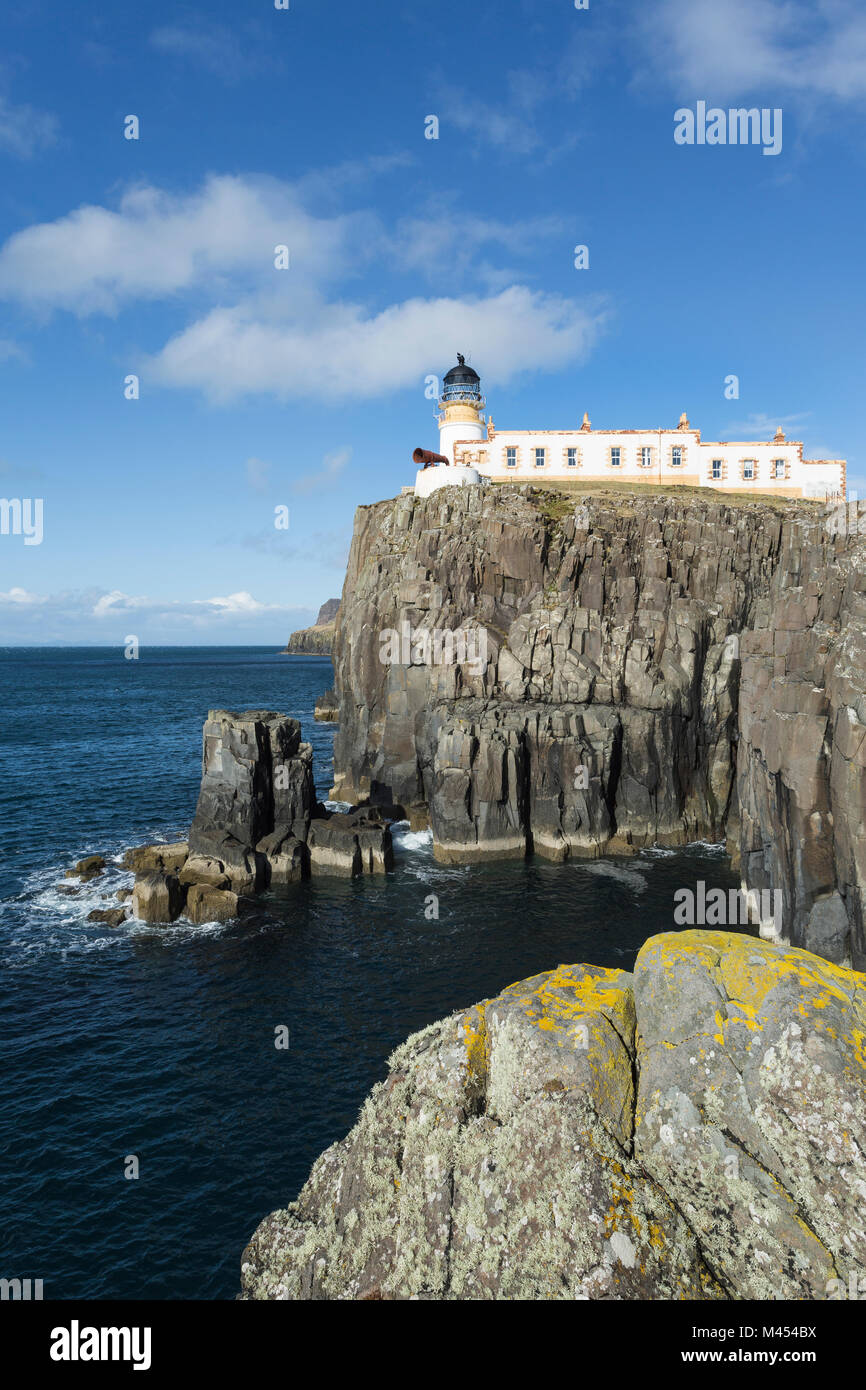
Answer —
(475, 449)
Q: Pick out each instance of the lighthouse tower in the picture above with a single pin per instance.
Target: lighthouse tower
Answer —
(460, 407)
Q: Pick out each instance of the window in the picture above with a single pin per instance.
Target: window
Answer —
(717, 469)
(748, 469)
(646, 457)
(510, 458)
(778, 468)
(615, 457)
(676, 456)
(571, 458)
(539, 458)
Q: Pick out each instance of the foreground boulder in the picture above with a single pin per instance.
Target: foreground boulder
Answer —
(693, 1131)
(752, 1106)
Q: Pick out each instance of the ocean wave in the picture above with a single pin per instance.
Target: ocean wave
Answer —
(631, 878)
(176, 932)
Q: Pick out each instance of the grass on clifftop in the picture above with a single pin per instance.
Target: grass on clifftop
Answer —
(556, 499)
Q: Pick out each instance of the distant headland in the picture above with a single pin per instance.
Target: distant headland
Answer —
(317, 640)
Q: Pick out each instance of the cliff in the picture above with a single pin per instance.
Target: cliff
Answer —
(695, 1130)
(317, 640)
(635, 671)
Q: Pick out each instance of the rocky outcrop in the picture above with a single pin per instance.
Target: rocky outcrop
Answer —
(317, 640)
(257, 825)
(86, 869)
(257, 778)
(327, 707)
(620, 671)
(696, 1130)
(109, 916)
(351, 844)
(156, 858)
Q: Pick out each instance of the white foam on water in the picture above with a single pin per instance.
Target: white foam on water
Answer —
(177, 933)
(71, 909)
(631, 878)
(657, 852)
(410, 840)
(717, 848)
(59, 920)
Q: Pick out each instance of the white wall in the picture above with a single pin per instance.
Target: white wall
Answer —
(594, 455)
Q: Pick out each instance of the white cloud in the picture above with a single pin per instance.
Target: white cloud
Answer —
(722, 49)
(449, 244)
(504, 128)
(759, 425)
(343, 352)
(157, 244)
(20, 598)
(116, 602)
(10, 350)
(93, 615)
(258, 474)
(24, 130)
(328, 549)
(325, 477)
(288, 334)
(211, 46)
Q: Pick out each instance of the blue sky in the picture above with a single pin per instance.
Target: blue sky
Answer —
(304, 388)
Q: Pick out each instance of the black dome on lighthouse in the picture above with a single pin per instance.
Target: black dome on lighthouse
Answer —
(461, 375)
(461, 382)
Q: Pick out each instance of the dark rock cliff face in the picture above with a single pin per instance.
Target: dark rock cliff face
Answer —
(658, 670)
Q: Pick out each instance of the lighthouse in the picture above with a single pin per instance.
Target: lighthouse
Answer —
(460, 408)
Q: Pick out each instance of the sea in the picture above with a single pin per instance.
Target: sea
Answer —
(148, 1117)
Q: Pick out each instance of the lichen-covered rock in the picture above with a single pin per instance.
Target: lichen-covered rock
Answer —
(752, 1106)
(501, 1157)
(490, 1164)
